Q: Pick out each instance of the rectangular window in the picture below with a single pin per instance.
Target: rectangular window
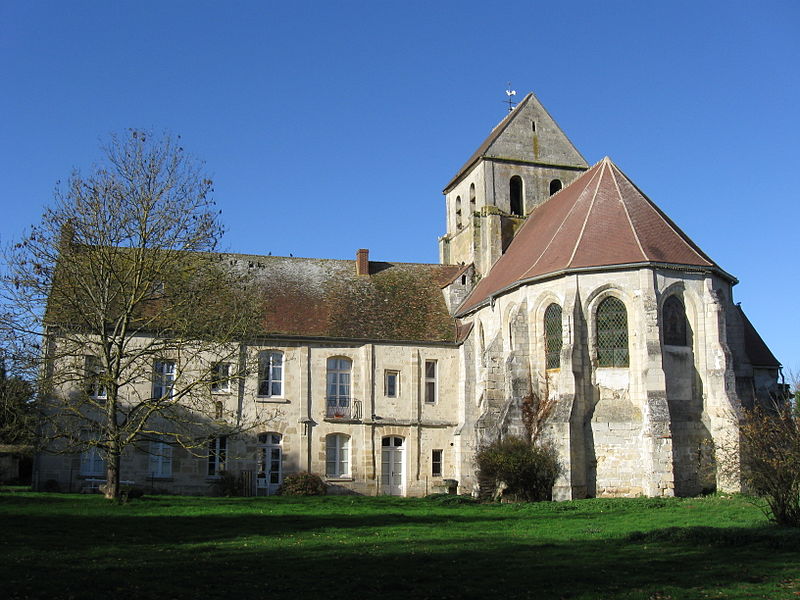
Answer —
(160, 460)
(337, 455)
(163, 378)
(270, 374)
(92, 464)
(221, 378)
(338, 388)
(217, 450)
(430, 381)
(392, 384)
(95, 387)
(436, 463)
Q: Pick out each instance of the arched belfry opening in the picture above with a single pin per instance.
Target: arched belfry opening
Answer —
(515, 195)
(555, 186)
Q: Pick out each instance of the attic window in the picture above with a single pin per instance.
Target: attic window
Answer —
(515, 194)
(533, 125)
(555, 186)
(463, 280)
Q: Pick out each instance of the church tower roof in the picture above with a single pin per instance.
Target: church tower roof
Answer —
(601, 220)
(508, 141)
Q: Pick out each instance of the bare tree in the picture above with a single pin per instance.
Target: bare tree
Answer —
(135, 310)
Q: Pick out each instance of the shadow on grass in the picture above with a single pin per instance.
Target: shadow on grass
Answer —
(382, 554)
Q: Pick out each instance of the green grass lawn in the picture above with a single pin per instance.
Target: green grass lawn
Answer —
(71, 546)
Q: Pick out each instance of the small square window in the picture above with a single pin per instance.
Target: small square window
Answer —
(392, 384)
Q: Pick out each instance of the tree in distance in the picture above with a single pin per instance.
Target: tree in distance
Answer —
(119, 305)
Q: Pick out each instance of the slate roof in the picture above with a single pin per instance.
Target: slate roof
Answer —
(757, 350)
(312, 297)
(600, 220)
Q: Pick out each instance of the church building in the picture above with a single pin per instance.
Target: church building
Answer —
(557, 281)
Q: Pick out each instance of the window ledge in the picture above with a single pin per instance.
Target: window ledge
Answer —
(268, 400)
(337, 479)
(340, 420)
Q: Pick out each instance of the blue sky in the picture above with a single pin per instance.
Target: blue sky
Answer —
(333, 126)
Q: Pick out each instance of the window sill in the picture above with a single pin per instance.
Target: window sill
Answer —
(339, 479)
(268, 400)
(221, 392)
(340, 420)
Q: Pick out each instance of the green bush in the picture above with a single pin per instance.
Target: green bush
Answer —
(528, 471)
(303, 484)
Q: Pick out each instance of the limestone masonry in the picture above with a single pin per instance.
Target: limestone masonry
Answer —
(557, 280)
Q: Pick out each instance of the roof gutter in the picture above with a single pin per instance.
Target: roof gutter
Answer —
(490, 300)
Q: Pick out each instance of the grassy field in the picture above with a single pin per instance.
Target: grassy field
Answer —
(70, 546)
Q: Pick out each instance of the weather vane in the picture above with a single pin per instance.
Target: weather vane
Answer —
(510, 97)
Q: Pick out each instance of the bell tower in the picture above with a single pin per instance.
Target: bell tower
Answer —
(525, 160)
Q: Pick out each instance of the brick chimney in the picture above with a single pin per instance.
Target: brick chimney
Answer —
(362, 262)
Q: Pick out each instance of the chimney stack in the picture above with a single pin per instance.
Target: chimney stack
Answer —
(362, 262)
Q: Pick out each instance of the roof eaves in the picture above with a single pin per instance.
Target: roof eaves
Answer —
(460, 312)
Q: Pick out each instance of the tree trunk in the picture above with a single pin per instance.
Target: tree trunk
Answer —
(112, 473)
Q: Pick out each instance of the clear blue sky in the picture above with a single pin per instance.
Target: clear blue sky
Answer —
(330, 126)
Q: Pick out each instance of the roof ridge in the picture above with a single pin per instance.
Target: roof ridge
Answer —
(561, 225)
(588, 213)
(627, 213)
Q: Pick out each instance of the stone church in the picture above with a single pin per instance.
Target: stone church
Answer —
(558, 281)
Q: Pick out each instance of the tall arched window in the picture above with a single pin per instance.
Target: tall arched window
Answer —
(338, 384)
(553, 337)
(674, 322)
(458, 212)
(337, 455)
(471, 199)
(612, 333)
(555, 186)
(515, 194)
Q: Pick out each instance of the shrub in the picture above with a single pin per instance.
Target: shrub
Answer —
(770, 460)
(528, 471)
(131, 493)
(303, 484)
(227, 484)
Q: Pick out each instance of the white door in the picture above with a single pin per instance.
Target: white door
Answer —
(269, 476)
(392, 466)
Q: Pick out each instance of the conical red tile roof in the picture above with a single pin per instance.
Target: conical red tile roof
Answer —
(600, 220)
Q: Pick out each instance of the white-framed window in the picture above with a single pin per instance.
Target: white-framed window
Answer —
(436, 463)
(217, 452)
(163, 378)
(92, 463)
(430, 381)
(391, 384)
(160, 459)
(338, 387)
(95, 387)
(221, 378)
(270, 373)
(337, 455)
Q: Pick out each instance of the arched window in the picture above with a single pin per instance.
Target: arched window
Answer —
(553, 336)
(515, 194)
(555, 186)
(471, 199)
(612, 333)
(338, 387)
(674, 322)
(458, 212)
(337, 455)
(270, 373)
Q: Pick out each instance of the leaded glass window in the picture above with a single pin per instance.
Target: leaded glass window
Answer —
(674, 322)
(553, 337)
(612, 334)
